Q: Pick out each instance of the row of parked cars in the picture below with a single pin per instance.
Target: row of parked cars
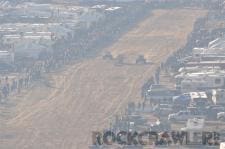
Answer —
(182, 113)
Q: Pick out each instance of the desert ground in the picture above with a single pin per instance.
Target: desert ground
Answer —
(85, 96)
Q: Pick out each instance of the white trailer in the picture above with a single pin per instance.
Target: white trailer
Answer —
(222, 145)
(198, 81)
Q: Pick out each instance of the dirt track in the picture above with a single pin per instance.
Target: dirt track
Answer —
(88, 94)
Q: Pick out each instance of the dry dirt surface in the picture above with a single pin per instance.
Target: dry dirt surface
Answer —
(86, 96)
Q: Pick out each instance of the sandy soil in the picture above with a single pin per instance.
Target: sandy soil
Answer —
(86, 96)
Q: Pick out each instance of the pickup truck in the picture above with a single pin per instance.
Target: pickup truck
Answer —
(183, 116)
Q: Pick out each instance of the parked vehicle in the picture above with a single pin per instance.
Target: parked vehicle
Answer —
(183, 99)
(213, 110)
(139, 120)
(158, 94)
(218, 96)
(183, 116)
(197, 110)
(221, 116)
(163, 109)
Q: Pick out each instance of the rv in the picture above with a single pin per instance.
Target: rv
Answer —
(203, 53)
(199, 81)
